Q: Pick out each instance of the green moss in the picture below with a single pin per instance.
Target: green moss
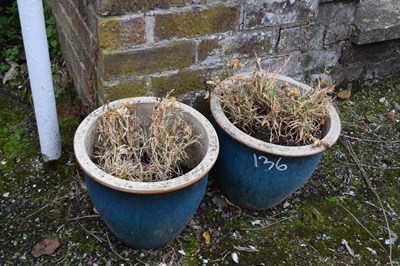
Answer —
(183, 82)
(123, 89)
(114, 32)
(196, 23)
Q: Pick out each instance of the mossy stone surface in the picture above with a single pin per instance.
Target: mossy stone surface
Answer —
(121, 64)
(196, 23)
(120, 32)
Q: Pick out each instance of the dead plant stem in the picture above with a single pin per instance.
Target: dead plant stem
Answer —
(113, 250)
(371, 140)
(271, 224)
(101, 240)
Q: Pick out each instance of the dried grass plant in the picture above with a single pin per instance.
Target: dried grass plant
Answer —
(272, 111)
(130, 149)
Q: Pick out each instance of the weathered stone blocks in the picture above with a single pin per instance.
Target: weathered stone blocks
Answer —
(125, 48)
(275, 12)
(120, 32)
(301, 38)
(120, 7)
(196, 23)
(120, 64)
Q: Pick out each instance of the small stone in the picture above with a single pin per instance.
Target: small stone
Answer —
(6, 195)
(382, 100)
(235, 257)
(182, 252)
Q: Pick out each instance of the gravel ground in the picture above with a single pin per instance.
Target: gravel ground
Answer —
(347, 213)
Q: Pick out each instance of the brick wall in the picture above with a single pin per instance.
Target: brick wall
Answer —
(123, 48)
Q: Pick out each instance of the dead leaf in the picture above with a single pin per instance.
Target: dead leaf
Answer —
(46, 247)
(207, 237)
(391, 114)
(219, 201)
(344, 94)
(10, 75)
(194, 225)
(165, 257)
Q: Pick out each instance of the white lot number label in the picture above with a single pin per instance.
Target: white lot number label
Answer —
(263, 160)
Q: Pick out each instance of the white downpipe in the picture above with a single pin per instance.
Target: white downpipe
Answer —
(39, 69)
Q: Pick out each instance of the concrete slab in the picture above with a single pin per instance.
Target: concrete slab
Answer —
(377, 20)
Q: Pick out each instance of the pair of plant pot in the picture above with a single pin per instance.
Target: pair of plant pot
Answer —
(251, 173)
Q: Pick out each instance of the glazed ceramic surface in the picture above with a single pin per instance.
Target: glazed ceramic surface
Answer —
(258, 175)
(147, 214)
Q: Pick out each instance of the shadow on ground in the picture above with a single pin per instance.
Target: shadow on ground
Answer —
(347, 213)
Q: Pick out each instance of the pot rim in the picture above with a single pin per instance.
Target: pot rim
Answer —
(134, 187)
(279, 150)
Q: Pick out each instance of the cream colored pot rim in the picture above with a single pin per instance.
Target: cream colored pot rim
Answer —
(284, 151)
(92, 170)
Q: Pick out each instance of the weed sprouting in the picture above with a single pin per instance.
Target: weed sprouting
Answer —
(274, 111)
(130, 148)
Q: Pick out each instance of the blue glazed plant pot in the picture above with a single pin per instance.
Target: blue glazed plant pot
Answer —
(258, 175)
(147, 214)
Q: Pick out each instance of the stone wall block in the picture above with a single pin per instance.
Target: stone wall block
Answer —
(299, 63)
(182, 82)
(336, 12)
(369, 52)
(116, 32)
(121, 7)
(275, 12)
(196, 23)
(208, 48)
(120, 64)
(260, 43)
(338, 32)
(388, 67)
(110, 91)
(301, 38)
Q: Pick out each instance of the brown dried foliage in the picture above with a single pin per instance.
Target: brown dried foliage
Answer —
(272, 111)
(130, 149)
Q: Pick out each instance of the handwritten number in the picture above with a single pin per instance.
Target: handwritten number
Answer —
(267, 162)
(281, 167)
(277, 165)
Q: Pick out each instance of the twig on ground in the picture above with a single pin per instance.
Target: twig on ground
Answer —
(83, 217)
(269, 225)
(372, 166)
(44, 207)
(371, 140)
(113, 250)
(379, 208)
(101, 240)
